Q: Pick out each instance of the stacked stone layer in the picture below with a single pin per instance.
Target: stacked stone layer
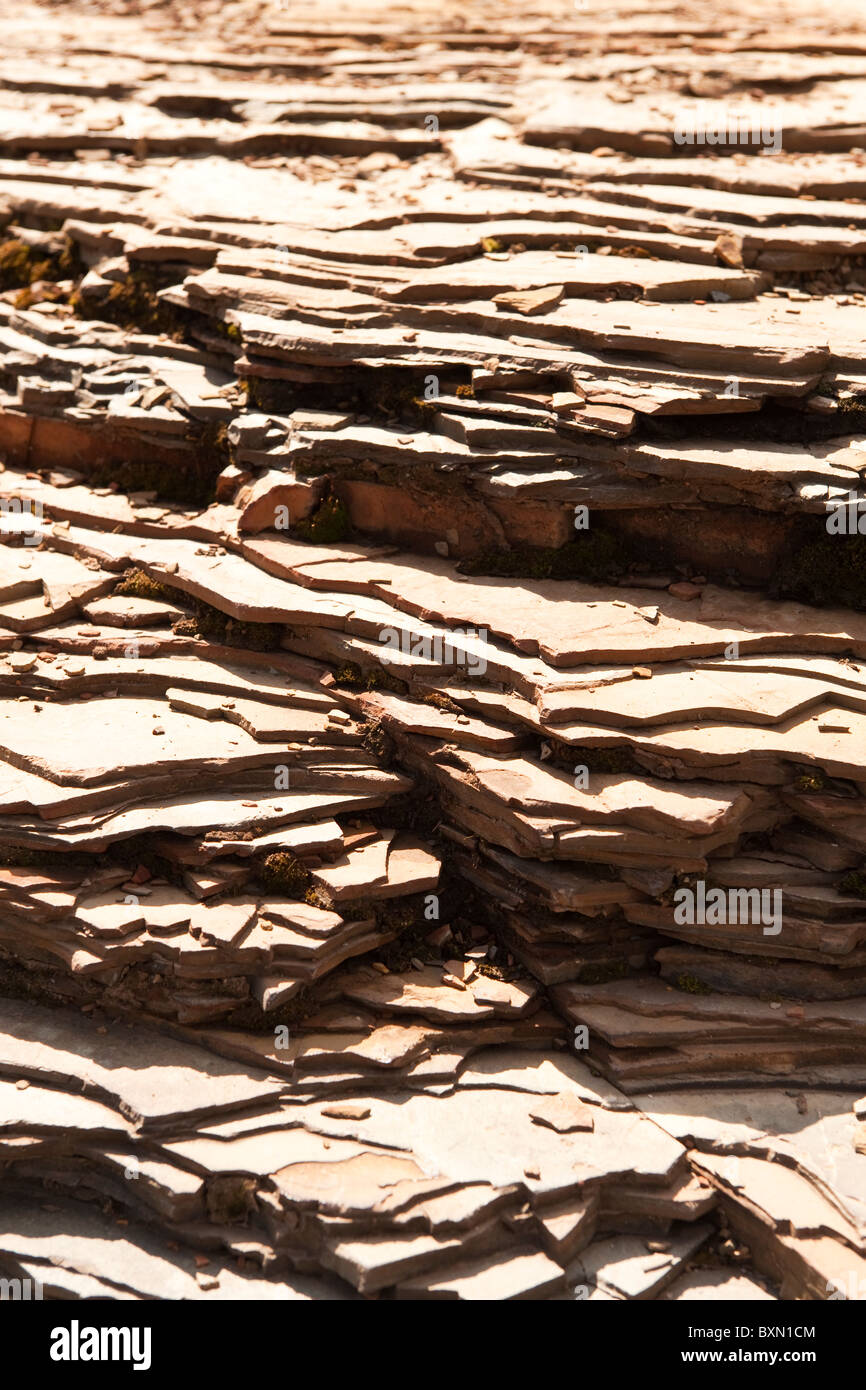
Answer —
(417, 581)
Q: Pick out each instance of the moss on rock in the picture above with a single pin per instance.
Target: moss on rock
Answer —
(691, 984)
(594, 557)
(283, 872)
(854, 883)
(328, 524)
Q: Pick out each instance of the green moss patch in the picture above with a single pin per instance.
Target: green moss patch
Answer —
(855, 884)
(604, 760)
(285, 873)
(691, 984)
(812, 780)
(594, 557)
(328, 524)
(137, 584)
(133, 302)
(22, 267)
(216, 626)
(603, 974)
(825, 569)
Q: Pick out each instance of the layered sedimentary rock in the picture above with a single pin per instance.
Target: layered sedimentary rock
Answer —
(432, 655)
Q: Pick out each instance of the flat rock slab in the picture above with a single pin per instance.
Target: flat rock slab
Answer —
(153, 1081)
(715, 1286)
(625, 1268)
(565, 1114)
(249, 736)
(518, 1275)
(424, 993)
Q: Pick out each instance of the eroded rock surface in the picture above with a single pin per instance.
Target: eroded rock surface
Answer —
(432, 652)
